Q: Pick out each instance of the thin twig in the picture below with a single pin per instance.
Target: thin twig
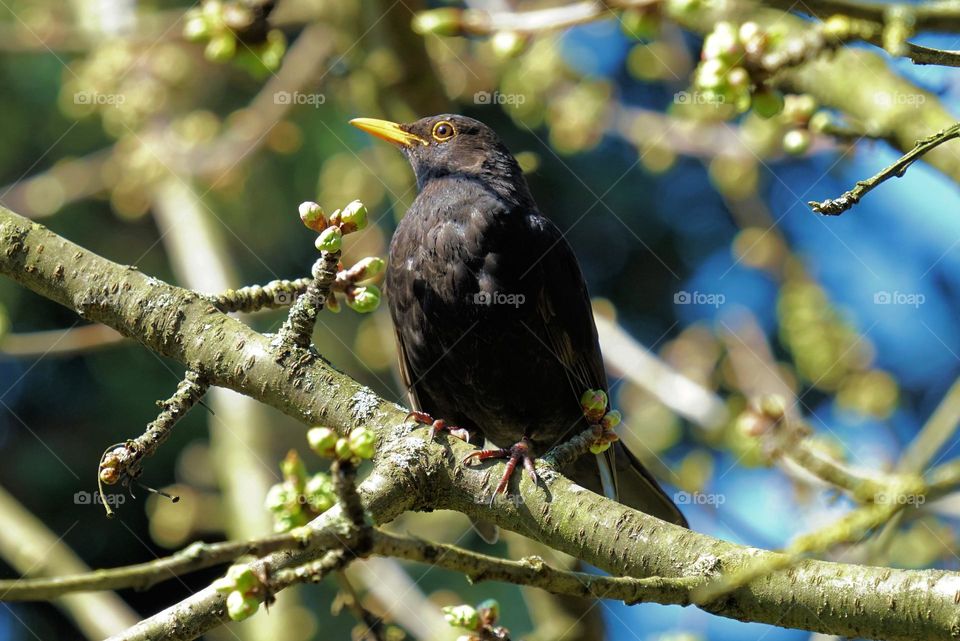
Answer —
(312, 572)
(937, 430)
(835, 207)
(344, 474)
(122, 462)
(298, 328)
(141, 576)
(273, 295)
(348, 597)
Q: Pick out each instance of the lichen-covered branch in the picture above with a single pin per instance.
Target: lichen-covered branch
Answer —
(848, 600)
(275, 294)
(185, 326)
(298, 328)
(412, 472)
(533, 571)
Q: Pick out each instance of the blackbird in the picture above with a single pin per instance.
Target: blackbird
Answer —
(492, 316)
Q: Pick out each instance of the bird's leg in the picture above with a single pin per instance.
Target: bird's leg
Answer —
(519, 451)
(438, 425)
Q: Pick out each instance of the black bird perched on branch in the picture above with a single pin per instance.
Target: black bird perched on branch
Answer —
(492, 315)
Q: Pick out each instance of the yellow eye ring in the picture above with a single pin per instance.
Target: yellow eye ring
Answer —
(443, 130)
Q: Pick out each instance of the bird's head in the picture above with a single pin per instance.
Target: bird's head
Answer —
(451, 145)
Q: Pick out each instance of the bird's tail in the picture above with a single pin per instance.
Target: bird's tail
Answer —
(634, 486)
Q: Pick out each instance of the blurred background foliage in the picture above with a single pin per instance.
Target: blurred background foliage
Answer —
(162, 142)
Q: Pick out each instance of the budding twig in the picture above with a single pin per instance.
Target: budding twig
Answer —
(567, 452)
(835, 207)
(275, 294)
(344, 474)
(312, 572)
(122, 463)
(298, 328)
(882, 499)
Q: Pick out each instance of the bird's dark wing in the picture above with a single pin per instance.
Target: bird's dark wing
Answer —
(408, 384)
(564, 313)
(567, 326)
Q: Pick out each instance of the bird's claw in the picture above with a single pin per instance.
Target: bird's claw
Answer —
(519, 451)
(438, 425)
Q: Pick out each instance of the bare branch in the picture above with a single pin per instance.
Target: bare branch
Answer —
(835, 207)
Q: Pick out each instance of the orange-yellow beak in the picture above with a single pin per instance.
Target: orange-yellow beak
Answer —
(389, 131)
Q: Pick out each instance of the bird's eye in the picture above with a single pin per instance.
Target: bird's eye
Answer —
(443, 131)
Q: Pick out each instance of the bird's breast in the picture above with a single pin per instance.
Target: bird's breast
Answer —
(454, 250)
(463, 288)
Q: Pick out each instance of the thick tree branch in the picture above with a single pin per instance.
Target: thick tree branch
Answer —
(390, 490)
(413, 473)
(533, 571)
(942, 15)
(856, 82)
(187, 327)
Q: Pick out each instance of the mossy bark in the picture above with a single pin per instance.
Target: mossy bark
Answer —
(412, 473)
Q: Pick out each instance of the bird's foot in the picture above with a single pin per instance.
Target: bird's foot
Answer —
(438, 425)
(516, 453)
